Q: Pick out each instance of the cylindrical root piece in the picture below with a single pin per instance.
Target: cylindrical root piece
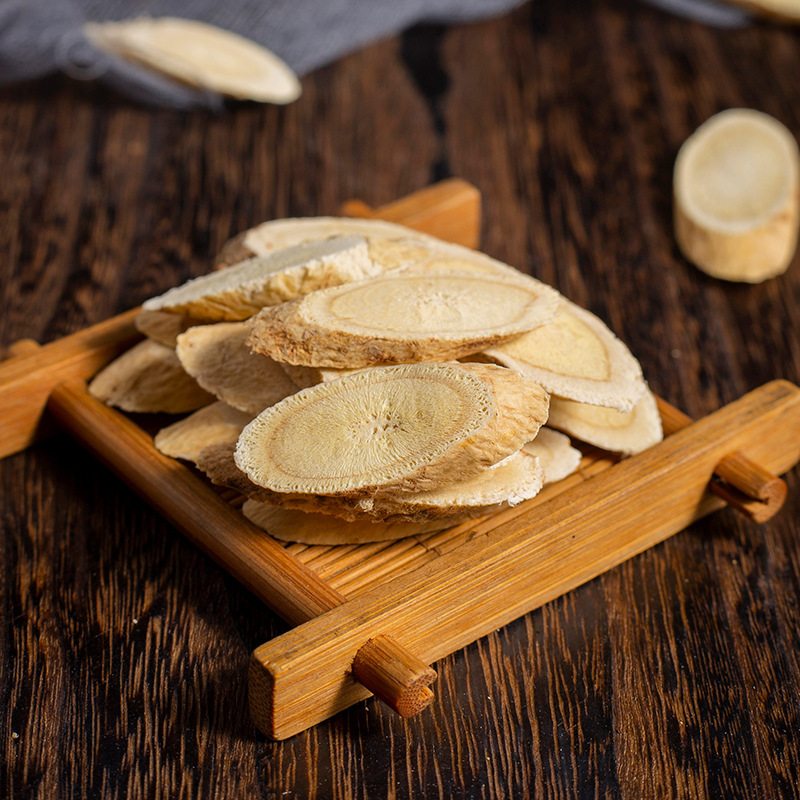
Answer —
(737, 196)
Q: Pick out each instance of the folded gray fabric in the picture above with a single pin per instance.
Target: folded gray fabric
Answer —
(38, 37)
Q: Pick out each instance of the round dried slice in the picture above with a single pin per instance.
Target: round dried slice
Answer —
(401, 318)
(577, 357)
(278, 234)
(555, 453)
(290, 525)
(218, 357)
(303, 377)
(620, 432)
(148, 378)
(514, 479)
(413, 427)
(240, 291)
(200, 55)
(737, 196)
(218, 423)
(163, 326)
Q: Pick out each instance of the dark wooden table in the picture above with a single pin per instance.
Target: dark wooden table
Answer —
(124, 650)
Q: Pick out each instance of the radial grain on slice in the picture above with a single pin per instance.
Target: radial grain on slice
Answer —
(401, 318)
(575, 356)
(620, 432)
(555, 453)
(240, 291)
(412, 427)
(148, 378)
(312, 528)
(218, 357)
(216, 424)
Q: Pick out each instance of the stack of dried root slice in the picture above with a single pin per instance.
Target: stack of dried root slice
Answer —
(358, 381)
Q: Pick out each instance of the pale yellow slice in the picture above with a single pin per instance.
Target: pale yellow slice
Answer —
(216, 424)
(737, 196)
(240, 291)
(555, 453)
(290, 525)
(148, 378)
(218, 357)
(412, 427)
(402, 318)
(162, 326)
(575, 356)
(620, 432)
(200, 55)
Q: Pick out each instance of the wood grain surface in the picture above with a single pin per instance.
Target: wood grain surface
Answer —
(124, 649)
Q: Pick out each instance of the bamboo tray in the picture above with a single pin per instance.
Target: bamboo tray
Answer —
(372, 618)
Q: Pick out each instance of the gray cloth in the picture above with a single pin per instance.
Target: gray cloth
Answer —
(38, 37)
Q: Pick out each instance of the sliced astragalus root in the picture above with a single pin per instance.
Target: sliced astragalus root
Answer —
(218, 358)
(412, 427)
(575, 356)
(737, 196)
(240, 291)
(278, 234)
(304, 377)
(555, 453)
(200, 55)
(216, 424)
(620, 432)
(514, 479)
(162, 326)
(401, 318)
(290, 525)
(148, 378)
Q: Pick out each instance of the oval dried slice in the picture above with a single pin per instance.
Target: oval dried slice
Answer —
(311, 528)
(278, 234)
(163, 327)
(401, 318)
(555, 453)
(240, 291)
(218, 357)
(303, 377)
(200, 55)
(620, 432)
(216, 424)
(577, 357)
(737, 196)
(414, 427)
(514, 479)
(148, 378)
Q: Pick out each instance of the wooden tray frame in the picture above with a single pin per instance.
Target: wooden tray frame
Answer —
(371, 618)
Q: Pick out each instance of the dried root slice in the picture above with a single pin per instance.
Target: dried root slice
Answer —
(240, 291)
(216, 424)
(737, 196)
(577, 357)
(621, 432)
(163, 327)
(321, 529)
(401, 318)
(279, 234)
(514, 479)
(412, 427)
(148, 378)
(303, 377)
(555, 453)
(218, 357)
(200, 55)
